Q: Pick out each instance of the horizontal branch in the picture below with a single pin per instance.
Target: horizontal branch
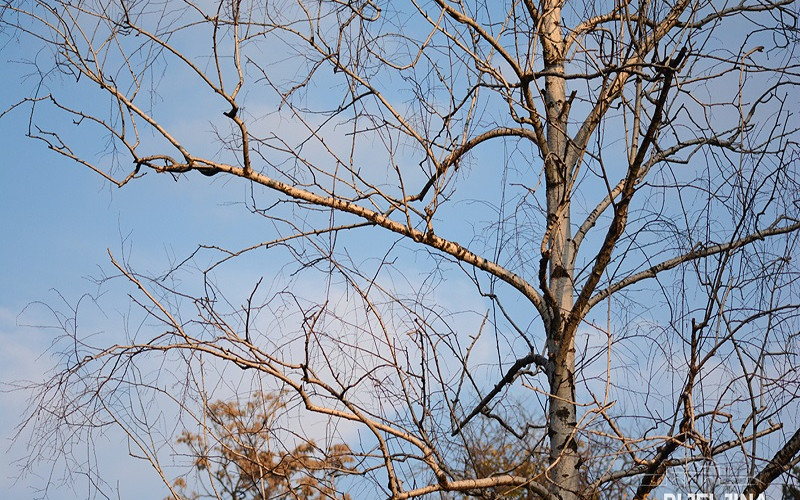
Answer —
(716, 450)
(475, 484)
(698, 253)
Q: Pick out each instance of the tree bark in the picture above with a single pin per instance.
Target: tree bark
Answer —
(780, 463)
(557, 250)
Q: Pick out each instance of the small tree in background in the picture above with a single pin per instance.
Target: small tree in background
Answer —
(241, 454)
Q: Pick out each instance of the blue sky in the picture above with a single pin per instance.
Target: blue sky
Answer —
(57, 221)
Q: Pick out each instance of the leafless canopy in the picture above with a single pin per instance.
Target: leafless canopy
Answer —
(568, 227)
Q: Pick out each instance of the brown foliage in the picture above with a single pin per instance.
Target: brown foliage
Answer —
(245, 455)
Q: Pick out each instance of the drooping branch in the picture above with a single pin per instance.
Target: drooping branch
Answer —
(509, 377)
(458, 153)
(412, 97)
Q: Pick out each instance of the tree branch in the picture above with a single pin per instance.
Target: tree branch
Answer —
(779, 464)
(511, 373)
(698, 253)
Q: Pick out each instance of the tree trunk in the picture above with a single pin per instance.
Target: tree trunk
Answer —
(563, 473)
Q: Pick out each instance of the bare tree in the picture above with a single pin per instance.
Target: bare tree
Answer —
(616, 180)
